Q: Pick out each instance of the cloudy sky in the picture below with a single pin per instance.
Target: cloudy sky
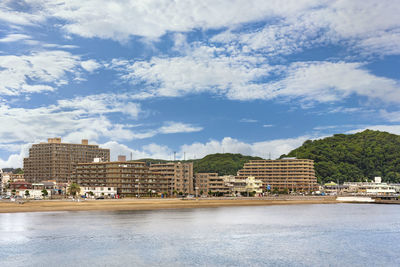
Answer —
(257, 77)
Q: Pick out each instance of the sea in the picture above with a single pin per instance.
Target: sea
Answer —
(288, 235)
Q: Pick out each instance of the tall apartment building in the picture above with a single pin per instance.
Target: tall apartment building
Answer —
(55, 160)
(287, 173)
(179, 176)
(129, 178)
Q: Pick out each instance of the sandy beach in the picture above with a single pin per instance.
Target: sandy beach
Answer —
(151, 204)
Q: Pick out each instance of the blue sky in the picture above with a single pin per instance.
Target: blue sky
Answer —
(152, 77)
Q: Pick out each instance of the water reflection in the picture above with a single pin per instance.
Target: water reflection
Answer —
(257, 236)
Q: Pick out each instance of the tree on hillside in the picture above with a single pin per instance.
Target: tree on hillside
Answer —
(353, 157)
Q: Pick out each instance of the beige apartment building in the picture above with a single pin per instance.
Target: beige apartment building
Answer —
(287, 173)
(178, 175)
(55, 160)
(130, 179)
(211, 182)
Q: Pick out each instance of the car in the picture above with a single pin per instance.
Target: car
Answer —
(101, 197)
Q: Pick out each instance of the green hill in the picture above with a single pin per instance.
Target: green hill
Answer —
(353, 157)
(223, 164)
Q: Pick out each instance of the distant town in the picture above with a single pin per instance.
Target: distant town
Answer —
(57, 170)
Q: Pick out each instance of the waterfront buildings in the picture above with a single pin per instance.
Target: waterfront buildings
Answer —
(98, 191)
(178, 176)
(129, 178)
(1, 181)
(55, 160)
(248, 186)
(211, 183)
(284, 174)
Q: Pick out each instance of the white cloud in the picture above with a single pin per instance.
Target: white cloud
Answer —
(102, 104)
(8, 14)
(90, 65)
(148, 151)
(273, 148)
(390, 116)
(204, 69)
(248, 120)
(288, 28)
(119, 20)
(333, 22)
(16, 160)
(36, 72)
(14, 37)
(268, 125)
(394, 129)
(74, 119)
(178, 127)
(328, 81)
(239, 77)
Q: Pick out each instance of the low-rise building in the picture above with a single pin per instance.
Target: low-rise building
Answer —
(376, 188)
(247, 186)
(98, 191)
(20, 185)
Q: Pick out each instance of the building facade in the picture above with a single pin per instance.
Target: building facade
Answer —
(55, 160)
(130, 179)
(179, 176)
(288, 173)
(211, 183)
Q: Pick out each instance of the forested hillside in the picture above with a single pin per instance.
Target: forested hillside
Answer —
(354, 157)
(223, 164)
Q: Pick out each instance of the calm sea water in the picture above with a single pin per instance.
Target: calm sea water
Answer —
(301, 235)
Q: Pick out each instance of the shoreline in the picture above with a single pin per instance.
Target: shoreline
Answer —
(153, 204)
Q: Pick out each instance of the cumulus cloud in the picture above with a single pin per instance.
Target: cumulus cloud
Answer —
(119, 20)
(90, 65)
(333, 22)
(394, 129)
(286, 28)
(273, 148)
(240, 77)
(36, 72)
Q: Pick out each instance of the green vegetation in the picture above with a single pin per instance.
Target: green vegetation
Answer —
(353, 157)
(45, 193)
(223, 164)
(73, 189)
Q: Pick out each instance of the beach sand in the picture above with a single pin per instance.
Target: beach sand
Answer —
(151, 204)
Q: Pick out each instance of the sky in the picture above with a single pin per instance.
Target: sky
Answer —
(154, 77)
